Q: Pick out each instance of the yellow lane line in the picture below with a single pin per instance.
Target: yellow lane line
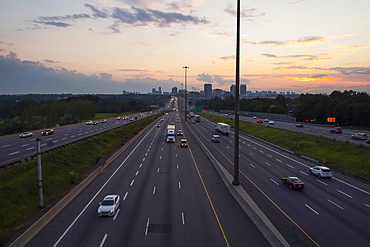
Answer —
(209, 199)
(281, 210)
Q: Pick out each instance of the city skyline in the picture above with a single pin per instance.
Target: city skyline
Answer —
(107, 46)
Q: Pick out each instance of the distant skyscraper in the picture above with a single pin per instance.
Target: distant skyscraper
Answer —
(208, 91)
(160, 90)
(243, 89)
(174, 91)
(232, 90)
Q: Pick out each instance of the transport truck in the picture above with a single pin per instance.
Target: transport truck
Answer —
(171, 133)
(197, 118)
(222, 128)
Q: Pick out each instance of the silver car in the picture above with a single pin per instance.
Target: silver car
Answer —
(25, 134)
(321, 171)
(109, 205)
(359, 136)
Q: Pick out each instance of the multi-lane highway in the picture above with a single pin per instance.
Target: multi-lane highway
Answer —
(328, 212)
(13, 148)
(171, 196)
(311, 129)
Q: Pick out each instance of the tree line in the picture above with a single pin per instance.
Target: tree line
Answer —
(21, 114)
(349, 108)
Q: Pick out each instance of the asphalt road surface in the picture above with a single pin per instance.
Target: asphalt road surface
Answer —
(171, 196)
(328, 212)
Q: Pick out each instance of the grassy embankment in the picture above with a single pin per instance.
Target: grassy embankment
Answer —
(99, 116)
(61, 169)
(343, 156)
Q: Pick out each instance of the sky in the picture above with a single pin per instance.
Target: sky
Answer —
(107, 46)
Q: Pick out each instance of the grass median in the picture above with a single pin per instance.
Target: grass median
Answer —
(61, 170)
(352, 159)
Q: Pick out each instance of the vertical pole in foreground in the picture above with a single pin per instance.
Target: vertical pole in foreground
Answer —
(39, 173)
(237, 89)
(186, 92)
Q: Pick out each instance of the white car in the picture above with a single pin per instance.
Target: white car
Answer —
(321, 171)
(90, 122)
(216, 138)
(109, 205)
(271, 122)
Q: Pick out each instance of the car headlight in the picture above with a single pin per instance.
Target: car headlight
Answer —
(111, 211)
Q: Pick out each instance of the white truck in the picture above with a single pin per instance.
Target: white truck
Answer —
(171, 133)
(223, 128)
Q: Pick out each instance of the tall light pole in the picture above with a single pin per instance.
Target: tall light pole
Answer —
(237, 90)
(186, 89)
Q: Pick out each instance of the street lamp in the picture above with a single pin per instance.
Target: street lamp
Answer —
(237, 90)
(186, 93)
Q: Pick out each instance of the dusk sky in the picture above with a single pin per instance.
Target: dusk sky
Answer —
(106, 46)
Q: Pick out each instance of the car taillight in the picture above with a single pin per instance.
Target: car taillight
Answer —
(323, 173)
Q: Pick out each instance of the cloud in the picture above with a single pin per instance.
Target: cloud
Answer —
(143, 17)
(219, 80)
(352, 70)
(246, 14)
(319, 76)
(179, 6)
(205, 78)
(6, 43)
(51, 61)
(59, 21)
(105, 76)
(228, 58)
(22, 76)
(133, 16)
(96, 12)
(298, 42)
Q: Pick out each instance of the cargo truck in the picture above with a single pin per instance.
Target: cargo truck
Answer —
(223, 128)
(171, 133)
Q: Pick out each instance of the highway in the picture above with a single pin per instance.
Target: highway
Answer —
(329, 212)
(171, 196)
(13, 148)
(309, 128)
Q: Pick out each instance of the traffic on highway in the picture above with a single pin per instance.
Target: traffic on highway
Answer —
(19, 148)
(170, 196)
(330, 211)
(164, 189)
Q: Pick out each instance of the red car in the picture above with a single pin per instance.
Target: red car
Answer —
(259, 121)
(294, 183)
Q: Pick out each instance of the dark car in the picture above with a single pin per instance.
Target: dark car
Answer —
(299, 125)
(336, 130)
(294, 183)
(47, 132)
(103, 121)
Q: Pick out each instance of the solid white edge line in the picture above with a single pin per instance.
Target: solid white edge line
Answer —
(88, 204)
